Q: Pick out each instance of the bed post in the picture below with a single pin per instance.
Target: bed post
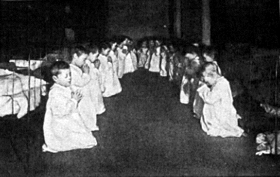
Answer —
(28, 118)
(276, 101)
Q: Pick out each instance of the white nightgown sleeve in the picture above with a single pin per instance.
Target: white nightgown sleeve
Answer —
(80, 82)
(211, 96)
(63, 107)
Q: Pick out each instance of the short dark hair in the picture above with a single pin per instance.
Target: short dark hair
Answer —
(104, 45)
(92, 48)
(209, 51)
(214, 68)
(79, 50)
(96, 60)
(191, 49)
(57, 66)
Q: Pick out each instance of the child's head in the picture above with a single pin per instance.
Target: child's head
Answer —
(164, 49)
(96, 63)
(151, 43)
(93, 52)
(144, 44)
(171, 48)
(209, 73)
(209, 54)
(191, 52)
(129, 41)
(120, 41)
(80, 54)
(113, 43)
(105, 48)
(61, 74)
(158, 42)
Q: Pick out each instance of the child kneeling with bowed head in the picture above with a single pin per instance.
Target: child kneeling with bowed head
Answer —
(219, 117)
(63, 127)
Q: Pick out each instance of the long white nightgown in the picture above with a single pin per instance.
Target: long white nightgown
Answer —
(163, 63)
(188, 81)
(147, 63)
(219, 117)
(128, 65)
(155, 61)
(134, 59)
(198, 102)
(96, 92)
(80, 81)
(121, 62)
(110, 78)
(185, 90)
(115, 62)
(63, 127)
(143, 56)
(171, 68)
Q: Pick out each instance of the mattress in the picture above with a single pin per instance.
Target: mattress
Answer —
(18, 92)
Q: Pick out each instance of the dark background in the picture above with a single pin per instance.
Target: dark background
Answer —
(250, 21)
(40, 23)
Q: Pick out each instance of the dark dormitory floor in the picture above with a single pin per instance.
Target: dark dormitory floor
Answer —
(144, 132)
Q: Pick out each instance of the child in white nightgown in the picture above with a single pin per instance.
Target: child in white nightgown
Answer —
(128, 61)
(113, 55)
(142, 54)
(163, 61)
(172, 54)
(96, 89)
(191, 66)
(80, 81)
(208, 55)
(150, 52)
(121, 55)
(110, 79)
(219, 117)
(132, 52)
(155, 57)
(63, 127)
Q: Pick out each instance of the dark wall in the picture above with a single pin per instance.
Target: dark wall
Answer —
(138, 18)
(91, 19)
(191, 20)
(250, 21)
(42, 22)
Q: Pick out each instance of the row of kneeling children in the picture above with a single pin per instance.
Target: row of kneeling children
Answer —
(194, 69)
(208, 92)
(76, 97)
(80, 85)
(94, 73)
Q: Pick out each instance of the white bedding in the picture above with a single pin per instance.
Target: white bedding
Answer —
(14, 92)
(34, 64)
